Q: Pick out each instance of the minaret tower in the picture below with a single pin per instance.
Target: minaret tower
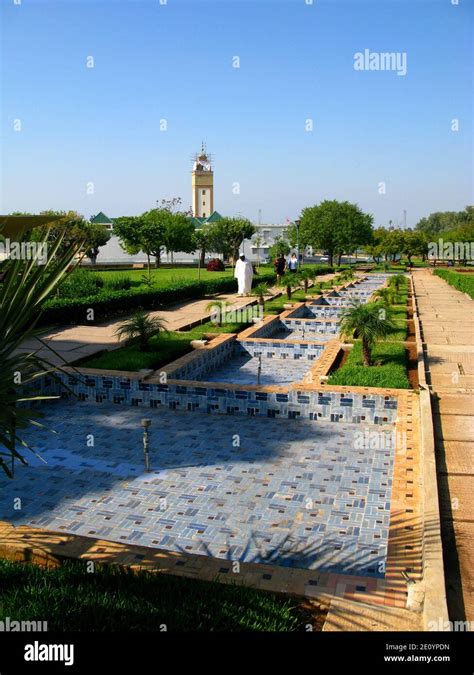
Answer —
(203, 185)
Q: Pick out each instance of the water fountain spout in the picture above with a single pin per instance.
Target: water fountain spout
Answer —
(259, 369)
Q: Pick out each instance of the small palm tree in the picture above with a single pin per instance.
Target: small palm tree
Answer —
(397, 281)
(348, 274)
(260, 291)
(367, 322)
(305, 276)
(288, 282)
(141, 326)
(384, 295)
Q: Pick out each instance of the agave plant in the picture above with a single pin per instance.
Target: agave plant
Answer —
(141, 327)
(24, 286)
(260, 291)
(369, 322)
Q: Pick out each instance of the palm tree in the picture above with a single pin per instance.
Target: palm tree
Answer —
(288, 282)
(141, 326)
(348, 274)
(367, 322)
(384, 295)
(305, 276)
(397, 281)
(260, 291)
(24, 287)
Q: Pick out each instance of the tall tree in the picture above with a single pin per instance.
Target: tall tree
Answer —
(73, 228)
(444, 221)
(335, 227)
(227, 234)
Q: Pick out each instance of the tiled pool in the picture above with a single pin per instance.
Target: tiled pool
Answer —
(243, 369)
(296, 493)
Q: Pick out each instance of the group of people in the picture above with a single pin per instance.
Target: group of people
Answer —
(244, 271)
(282, 265)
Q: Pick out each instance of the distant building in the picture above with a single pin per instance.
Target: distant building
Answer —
(102, 219)
(202, 185)
(200, 222)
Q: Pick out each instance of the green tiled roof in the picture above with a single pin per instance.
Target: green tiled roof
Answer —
(213, 218)
(102, 219)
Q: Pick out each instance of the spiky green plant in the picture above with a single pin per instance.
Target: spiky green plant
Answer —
(260, 291)
(384, 295)
(305, 277)
(369, 322)
(288, 281)
(348, 274)
(24, 286)
(141, 326)
(397, 281)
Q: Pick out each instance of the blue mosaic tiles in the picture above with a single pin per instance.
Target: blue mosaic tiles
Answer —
(317, 405)
(292, 493)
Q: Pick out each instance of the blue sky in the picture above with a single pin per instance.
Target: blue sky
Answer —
(174, 62)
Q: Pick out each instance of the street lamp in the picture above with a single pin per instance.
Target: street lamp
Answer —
(297, 223)
(146, 424)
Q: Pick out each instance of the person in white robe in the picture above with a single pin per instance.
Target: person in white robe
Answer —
(244, 275)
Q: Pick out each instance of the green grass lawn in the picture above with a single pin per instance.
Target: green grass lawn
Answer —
(165, 347)
(389, 369)
(114, 599)
(463, 281)
(165, 275)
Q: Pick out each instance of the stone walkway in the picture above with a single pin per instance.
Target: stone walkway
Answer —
(447, 325)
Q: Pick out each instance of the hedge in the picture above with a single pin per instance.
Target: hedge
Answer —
(463, 282)
(108, 303)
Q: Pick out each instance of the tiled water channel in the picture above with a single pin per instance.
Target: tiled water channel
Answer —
(296, 490)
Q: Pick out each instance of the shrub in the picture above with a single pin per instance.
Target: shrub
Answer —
(118, 283)
(463, 282)
(79, 284)
(215, 265)
(108, 303)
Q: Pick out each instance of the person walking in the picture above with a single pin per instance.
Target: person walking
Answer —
(293, 263)
(280, 266)
(244, 275)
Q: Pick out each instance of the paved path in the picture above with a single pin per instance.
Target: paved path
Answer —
(447, 326)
